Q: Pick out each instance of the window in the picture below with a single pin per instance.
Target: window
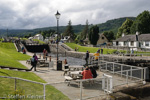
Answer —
(132, 43)
(125, 43)
(146, 43)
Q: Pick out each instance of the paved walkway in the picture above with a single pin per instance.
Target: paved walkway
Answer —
(56, 78)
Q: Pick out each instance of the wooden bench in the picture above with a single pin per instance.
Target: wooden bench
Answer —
(68, 79)
(66, 71)
(45, 64)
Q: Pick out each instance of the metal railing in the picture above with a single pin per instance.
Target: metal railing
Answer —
(82, 89)
(132, 74)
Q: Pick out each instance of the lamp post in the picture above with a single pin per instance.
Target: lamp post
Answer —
(57, 15)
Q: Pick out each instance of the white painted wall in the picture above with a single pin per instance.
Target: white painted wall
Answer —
(144, 45)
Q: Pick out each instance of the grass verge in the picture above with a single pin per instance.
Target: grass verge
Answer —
(10, 57)
(90, 49)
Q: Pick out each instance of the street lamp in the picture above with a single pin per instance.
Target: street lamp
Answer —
(57, 15)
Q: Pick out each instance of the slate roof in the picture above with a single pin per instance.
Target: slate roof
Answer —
(142, 37)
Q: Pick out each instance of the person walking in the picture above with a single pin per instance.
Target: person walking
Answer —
(34, 60)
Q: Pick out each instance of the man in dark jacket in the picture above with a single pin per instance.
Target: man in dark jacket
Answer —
(87, 57)
(34, 60)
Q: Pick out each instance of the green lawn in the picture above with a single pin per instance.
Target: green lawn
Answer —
(10, 57)
(39, 41)
(91, 49)
(105, 50)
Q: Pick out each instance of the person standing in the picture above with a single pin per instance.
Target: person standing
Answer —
(46, 54)
(96, 55)
(44, 51)
(87, 57)
(101, 50)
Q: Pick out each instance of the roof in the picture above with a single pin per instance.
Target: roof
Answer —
(142, 37)
(86, 40)
(127, 38)
(38, 35)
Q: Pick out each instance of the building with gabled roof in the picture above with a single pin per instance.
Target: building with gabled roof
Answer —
(133, 41)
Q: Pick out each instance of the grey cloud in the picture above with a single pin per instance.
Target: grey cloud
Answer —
(37, 13)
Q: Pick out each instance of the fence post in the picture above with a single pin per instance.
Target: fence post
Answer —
(103, 82)
(145, 73)
(106, 66)
(127, 78)
(15, 84)
(44, 91)
(111, 84)
(113, 68)
(121, 70)
(107, 84)
(80, 90)
(144, 82)
(142, 74)
(131, 71)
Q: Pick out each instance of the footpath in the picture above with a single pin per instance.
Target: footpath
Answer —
(56, 79)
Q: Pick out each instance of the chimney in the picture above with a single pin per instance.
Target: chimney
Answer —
(122, 34)
(137, 33)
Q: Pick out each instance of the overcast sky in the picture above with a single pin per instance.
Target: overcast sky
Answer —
(30, 14)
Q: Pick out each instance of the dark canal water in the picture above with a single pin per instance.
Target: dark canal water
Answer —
(70, 60)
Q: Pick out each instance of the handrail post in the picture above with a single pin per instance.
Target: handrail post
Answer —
(121, 70)
(113, 68)
(131, 71)
(44, 94)
(127, 78)
(15, 84)
(80, 90)
(106, 66)
(142, 74)
(144, 82)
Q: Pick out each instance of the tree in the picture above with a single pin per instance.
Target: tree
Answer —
(109, 35)
(69, 31)
(84, 33)
(93, 34)
(142, 23)
(125, 28)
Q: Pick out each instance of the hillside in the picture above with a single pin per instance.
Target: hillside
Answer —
(110, 25)
(113, 25)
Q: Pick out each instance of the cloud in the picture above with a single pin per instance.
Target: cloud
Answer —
(29, 14)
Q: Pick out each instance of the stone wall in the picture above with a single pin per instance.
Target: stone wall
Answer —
(132, 93)
(64, 52)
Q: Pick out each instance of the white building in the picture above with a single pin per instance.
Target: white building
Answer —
(66, 39)
(133, 41)
(38, 36)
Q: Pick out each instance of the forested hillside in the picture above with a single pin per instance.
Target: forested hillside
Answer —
(113, 25)
(110, 25)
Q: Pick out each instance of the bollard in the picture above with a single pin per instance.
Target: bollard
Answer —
(80, 90)
(40, 56)
(49, 58)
